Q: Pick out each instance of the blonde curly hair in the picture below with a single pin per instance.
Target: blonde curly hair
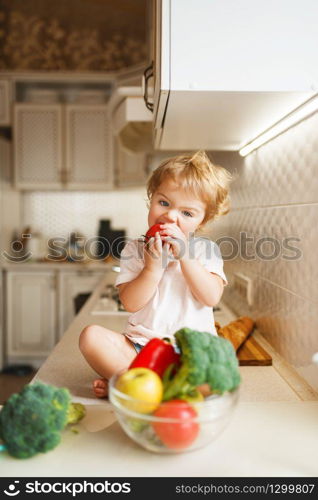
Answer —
(197, 174)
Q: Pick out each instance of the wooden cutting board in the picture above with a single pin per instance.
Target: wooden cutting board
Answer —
(252, 354)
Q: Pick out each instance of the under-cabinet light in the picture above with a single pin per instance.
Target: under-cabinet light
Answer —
(303, 111)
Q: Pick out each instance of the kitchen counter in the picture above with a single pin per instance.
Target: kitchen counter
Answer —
(273, 431)
(38, 265)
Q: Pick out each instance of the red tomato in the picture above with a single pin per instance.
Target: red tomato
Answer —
(176, 435)
(152, 231)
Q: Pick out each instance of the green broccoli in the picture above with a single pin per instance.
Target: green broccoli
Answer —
(205, 358)
(75, 413)
(31, 421)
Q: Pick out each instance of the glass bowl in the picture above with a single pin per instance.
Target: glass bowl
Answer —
(184, 427)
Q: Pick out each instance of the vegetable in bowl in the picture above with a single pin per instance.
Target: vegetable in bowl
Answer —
(184, 420)
(205, 359)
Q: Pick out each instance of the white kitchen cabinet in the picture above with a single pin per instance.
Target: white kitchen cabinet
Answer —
(131, 168)
(5, 101)
(88, 143)
(226, 71)
(39, 307)
(70, 285)
(31, 315)
(38, 146)
(238, 45)
(60, 146)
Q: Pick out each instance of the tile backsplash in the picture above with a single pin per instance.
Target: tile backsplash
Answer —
(275, 205)
(58, 214)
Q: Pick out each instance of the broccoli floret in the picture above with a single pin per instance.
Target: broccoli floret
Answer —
(31, 421)
(205, 358)
(75, 413)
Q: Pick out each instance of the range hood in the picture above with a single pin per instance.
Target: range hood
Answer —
(131, 120)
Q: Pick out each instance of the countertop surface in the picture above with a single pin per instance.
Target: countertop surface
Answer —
(273, 431)
(49, 265)
(268, 439)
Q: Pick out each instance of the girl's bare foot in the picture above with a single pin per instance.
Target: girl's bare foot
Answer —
(100, 388)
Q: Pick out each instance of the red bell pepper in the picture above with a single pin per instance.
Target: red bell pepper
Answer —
(156, 355)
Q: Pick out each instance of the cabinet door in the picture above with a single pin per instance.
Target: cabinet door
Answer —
(31, 314)
(130, 167)
(72, 284)
(5, 101)
(88, 147)
(236, 46)
(38, 146)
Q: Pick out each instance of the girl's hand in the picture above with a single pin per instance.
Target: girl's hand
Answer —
(154, 254)
(177, 240)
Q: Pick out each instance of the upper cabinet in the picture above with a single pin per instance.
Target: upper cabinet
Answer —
(225, 71)
(58, 146)
(38, 146)
(76, 132)
(88, 147)
(5, 101)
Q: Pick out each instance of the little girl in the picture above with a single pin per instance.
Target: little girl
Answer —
(174, 279)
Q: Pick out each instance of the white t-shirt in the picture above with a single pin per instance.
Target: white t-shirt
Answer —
(173, 305)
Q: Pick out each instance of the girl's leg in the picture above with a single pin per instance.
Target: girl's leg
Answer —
(107, 352)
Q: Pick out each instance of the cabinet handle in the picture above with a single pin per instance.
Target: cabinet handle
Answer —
(148, 73)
